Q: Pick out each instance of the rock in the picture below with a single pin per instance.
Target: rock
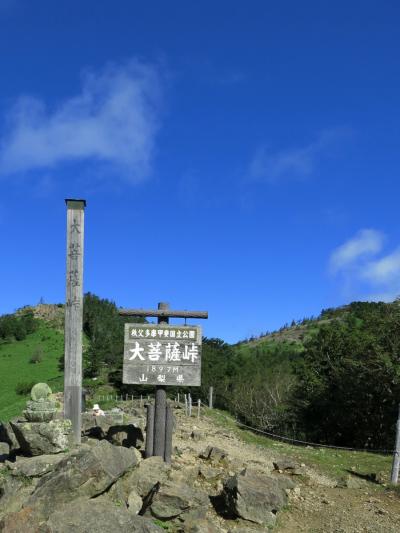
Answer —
(100, 515)
(286, 464)
(196, 435)
(135, 502)
(38, 438)
(246, 529)
(127, 435)
(14, 493)
(150, 473)
(184, 475)
(86, 472)
(208, 473)
(7, 436)
(199, 526)
(285, 482)
(34, 466)
(254, 497)
(380, 477)
(350, 482)
(4, 451)
(118, 428)
(173, 500)
(214, 454)
(24, 520)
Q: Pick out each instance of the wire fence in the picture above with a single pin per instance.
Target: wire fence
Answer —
(195, 405)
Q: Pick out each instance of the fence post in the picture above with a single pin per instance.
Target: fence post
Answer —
(141, 401)
(198, 407)
(190, 404)
(186, 405)
(210, 398)
(396, 454)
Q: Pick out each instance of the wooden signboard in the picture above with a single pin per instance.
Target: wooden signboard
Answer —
(161, 354)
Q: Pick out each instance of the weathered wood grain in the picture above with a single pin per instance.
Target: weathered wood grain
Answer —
(73, 315)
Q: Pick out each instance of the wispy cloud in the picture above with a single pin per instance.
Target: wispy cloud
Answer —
(384, 270)
(113, 121)
(364, 274)
(292, 163)
(365, 242)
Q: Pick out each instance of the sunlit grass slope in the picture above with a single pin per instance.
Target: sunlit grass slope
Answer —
(16, 368)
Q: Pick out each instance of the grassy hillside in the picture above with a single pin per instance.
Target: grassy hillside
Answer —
(16, 368)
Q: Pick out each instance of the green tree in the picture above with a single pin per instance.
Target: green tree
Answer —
(349, 381)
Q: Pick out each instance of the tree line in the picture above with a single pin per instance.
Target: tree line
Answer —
(341, 386)
(17, 326)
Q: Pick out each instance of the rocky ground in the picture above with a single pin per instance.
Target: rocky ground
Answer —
(216, 483)
(316, 504)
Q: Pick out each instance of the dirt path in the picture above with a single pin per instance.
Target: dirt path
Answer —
(316, 505)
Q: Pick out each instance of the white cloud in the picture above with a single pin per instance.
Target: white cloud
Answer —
(293, 163)
(365, 242)
(365, 276)
(113, 122)
(384, 270)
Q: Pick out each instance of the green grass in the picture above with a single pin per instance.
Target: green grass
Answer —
(15, 367)
(335, 463)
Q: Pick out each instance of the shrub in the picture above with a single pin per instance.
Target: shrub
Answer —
(23, 388)
(37, 356)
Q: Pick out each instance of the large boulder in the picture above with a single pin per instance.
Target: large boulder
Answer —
(253, 496)
(174, 500)
(34, 466)
(119, 428)
(14, 493)
(38, 438)
(100, 515)
(25, 519)
(147, 477)
(85, 473)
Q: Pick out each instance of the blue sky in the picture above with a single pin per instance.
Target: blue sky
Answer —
(236, 157)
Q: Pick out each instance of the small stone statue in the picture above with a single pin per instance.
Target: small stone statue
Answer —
(41, 408)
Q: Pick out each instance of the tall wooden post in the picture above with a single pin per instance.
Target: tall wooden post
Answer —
(73, 315)
(396, 455)
(160, 404)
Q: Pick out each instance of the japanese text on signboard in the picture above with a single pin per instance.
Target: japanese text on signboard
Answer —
(162, 354)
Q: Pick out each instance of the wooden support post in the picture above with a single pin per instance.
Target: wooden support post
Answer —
(396, 454)
(198, 407)
(73, 316)
(210, 398)
(190, 404)
(169, 427)
(149, 430)
(160, 403)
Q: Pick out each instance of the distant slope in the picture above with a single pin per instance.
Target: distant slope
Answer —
(15, 367)
(279, 351)
(297, 332)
